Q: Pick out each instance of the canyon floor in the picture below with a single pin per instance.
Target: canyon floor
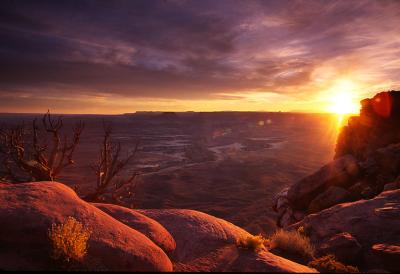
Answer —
(229, 164)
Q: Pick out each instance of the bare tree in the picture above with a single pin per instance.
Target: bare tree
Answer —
(40, 162)
(109, 167)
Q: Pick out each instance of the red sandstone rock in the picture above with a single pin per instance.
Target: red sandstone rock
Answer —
(149, 227)
(207, 243)
(344, 246)
(388, 255)
(369, 221)
(330, 197)
(340, 172)
(28, 210)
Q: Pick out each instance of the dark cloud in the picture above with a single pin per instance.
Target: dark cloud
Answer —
(189, 49)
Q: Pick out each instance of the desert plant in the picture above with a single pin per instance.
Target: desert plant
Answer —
(109, 166)
(252, 242)
(69, 240)
(292, 242)
(329, 264)
(37, 161)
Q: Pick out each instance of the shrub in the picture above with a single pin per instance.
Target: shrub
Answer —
(69, 240)
(301, 230)
(329, 264)
(252, 242)
(292, 242)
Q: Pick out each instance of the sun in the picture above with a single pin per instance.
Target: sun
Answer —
(343, 99)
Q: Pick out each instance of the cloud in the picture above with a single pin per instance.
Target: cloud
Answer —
(182, 50)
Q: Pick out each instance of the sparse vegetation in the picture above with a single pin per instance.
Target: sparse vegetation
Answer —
(26, 158)
(109, 167)
(69, 240)
(301, 230)
(252, 242)
(292, 242)
(329, 264)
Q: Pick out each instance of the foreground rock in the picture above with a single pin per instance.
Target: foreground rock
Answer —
(366, 223)
(149, 227)
(207, 243)
(28, 210)
(203, 242)
(339, 173)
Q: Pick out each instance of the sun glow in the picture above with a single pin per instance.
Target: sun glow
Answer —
(343, 99)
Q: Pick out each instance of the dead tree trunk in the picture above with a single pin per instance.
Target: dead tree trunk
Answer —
(41, 162)
(109, 166)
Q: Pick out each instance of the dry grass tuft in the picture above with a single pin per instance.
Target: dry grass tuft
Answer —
(329, 264)
(252, 242)
(292, 242)
(69, 240)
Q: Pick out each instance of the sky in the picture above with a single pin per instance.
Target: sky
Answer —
(178, 55)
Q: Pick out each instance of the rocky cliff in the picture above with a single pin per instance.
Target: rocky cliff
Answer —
(377, 126)
(366, 167)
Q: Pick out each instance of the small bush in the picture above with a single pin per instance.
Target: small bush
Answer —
(292, 242)
(301, 230)
(329, 264)
(69, 240)
(252, 242)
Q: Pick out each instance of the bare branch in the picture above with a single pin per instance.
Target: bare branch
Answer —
(31, 158)
(109, 166)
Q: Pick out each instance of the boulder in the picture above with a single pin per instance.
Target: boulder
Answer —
(207, 243)
(28, 210)
(332, 196)
(343, 245)
(195, 232)
(391, 186)
(340, 172)
(369, 221)
(388, 255)
(361, 190)
(147, 226)
(281, 205)
(264, 261)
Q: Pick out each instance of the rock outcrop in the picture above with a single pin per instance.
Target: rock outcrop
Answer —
(147, 226)
(376, 127)
(28, 210)
(351, 206)
(339, 173)
(367, 162)
(207, 243)
(122, 239)
(372, 231)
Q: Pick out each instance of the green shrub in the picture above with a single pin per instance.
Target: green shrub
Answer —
(329, 264)
(69, 240)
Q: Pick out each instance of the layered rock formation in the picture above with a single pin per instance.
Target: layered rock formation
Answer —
(377, 126)
(367, 162)
(122, 239)
(364, 233)
(351, 206)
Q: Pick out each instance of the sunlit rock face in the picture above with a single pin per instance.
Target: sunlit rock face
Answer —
(367, 162)
(377, 126)
(365, 233)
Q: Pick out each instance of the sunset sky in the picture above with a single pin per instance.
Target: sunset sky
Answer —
(177, 55)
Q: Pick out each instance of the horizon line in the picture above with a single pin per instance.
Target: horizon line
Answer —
(189, 111)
